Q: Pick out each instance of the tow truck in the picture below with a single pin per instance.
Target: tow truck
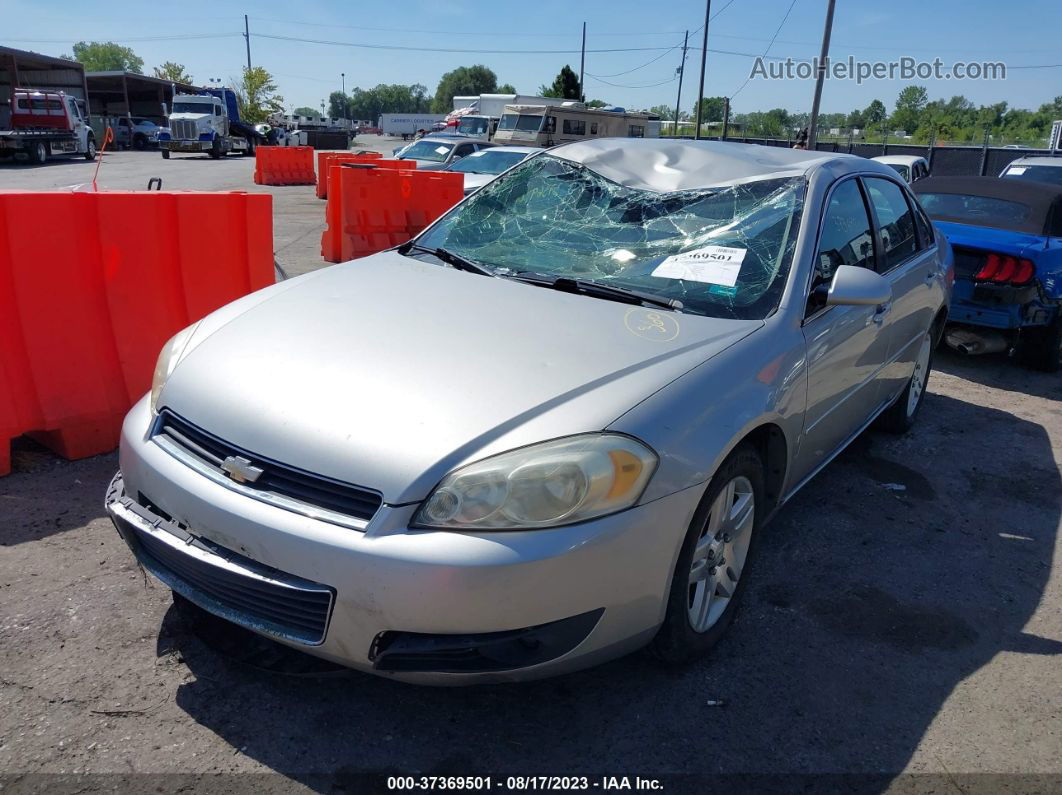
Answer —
(46, 123)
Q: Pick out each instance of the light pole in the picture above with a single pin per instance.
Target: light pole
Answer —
(704, 58)
(826, 31)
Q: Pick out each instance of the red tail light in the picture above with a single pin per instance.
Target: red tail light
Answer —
(1026, 271)
(989, 269)
(1004, 269)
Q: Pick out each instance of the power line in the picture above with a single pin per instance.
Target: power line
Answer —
(448, 49)
(777, 30)
(174, 37)
(618, 85)
(532, 34)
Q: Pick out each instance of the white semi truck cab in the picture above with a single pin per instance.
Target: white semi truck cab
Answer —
(205, 123)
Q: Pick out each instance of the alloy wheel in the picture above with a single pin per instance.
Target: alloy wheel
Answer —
(720, 553)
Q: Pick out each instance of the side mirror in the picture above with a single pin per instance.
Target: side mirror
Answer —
(853, 286)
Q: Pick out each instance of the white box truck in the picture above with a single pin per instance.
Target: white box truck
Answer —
(408, 123)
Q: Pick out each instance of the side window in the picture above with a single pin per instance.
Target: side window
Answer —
(574, 127)
(464, 150)
(217, 110)
(896, 224)
(846, 238)
(635, 131)
(926, 237)
(593, 128)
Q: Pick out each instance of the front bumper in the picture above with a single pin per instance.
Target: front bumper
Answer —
(594, 591)
(186, 146)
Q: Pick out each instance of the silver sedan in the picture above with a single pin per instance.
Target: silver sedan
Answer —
(550, 429)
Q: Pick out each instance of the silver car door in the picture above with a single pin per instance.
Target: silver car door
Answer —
(911, 267)
(847, 346)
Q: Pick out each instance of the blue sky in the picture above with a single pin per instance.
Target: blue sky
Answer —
(1019, 33)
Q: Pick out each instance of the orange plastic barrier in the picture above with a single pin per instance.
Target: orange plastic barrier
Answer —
(92, 285)
(326, 159)
(371, 209)
(331, 246)
(284, 165)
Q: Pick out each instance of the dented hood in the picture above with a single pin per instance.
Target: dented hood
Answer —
(388, 371)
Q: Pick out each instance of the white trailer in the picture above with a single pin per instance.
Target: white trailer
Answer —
(408, 123)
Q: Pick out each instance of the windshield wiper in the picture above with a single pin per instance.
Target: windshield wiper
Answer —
(455, 261)
(596, 289)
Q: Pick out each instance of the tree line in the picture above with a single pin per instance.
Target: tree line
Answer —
(913, 114)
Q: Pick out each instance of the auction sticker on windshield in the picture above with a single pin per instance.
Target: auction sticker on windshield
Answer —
(711, 264)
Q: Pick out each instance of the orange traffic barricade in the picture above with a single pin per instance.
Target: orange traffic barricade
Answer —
(371, 209)
(284, 165)
(326, 159)
(92, 285)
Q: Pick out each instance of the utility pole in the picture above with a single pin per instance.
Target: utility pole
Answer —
(343, 76)
(826, 31)
(582, 65)
(681, 72)
(726, 116)
(704, 58)
(247, 36)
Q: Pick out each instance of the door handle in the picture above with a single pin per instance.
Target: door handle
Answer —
(932, 276)
(882, 310)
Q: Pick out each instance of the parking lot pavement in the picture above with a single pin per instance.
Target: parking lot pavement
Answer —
(298, 215)
(904, 614)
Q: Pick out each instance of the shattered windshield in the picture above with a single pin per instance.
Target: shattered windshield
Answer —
(722, 251)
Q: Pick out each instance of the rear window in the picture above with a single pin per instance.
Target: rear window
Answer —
(977, 210)
(1049, 174)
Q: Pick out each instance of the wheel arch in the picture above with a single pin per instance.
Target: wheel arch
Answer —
(769, 442)
(939, 322)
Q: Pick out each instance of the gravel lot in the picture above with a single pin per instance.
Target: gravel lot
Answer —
(904, 616)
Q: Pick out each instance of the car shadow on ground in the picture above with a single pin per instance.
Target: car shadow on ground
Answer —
(906, 566)
(1000, 371)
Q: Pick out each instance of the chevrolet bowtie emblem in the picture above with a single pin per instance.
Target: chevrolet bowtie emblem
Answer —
(241, 470)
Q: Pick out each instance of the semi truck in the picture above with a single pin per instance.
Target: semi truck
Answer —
(46, 123)
(208, 122)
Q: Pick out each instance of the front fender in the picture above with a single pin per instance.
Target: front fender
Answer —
(697, 420)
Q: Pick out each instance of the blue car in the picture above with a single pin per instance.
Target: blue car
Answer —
(1007, 237)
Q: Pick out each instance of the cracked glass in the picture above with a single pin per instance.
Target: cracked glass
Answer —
(556, 218)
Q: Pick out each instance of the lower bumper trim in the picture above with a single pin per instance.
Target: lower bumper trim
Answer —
(476, 653)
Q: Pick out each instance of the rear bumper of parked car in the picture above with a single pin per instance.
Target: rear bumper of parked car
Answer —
(1002, 308)
(424, 606)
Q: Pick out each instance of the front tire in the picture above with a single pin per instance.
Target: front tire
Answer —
(215, 149)
(712, 570)
(90, 148)
(901, 415)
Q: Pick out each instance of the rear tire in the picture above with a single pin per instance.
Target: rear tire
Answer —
(713, 564)
(165, 154)
(1042, 348)
(901, 415)
(37, 153)
(249, 151)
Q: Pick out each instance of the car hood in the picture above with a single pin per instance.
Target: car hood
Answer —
(477, 181)
(388, 371)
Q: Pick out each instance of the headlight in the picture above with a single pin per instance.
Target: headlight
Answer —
(544, 485)
(169, 357)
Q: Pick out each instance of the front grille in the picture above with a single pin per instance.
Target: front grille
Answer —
(290, 483)
(232, 586)
(182, 129)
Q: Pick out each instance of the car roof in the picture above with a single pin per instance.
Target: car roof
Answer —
(665, 165)
(1037, 161)
(1043, 200)
(524, 149)
(905, 160)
